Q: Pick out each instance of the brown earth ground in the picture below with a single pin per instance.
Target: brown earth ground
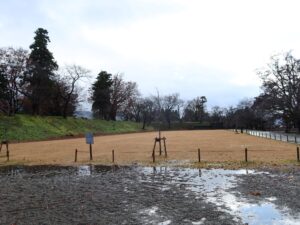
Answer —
(217, 146)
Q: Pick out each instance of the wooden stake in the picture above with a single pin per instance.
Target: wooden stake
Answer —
(199, 156)
(246, 154)
(153, 156)
(159, 136)
(153, 152)
(91, 152)
(7, 154)
(76, 155)
(4, 143)
(298, 158)
(113, 156)
(165, 147)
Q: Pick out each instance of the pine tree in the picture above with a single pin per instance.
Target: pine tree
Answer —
(101, 91)
(39, 80)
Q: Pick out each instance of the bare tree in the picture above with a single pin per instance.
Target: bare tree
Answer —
(71, 74)
(217, 116)
(147, 111)
(13, 64)
(157, 105)
(266, 117)
(122, 93)
(195, 109)
(132, 109)
(281, 85)
(170, 104)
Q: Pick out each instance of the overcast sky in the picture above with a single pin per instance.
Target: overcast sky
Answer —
(192, 47)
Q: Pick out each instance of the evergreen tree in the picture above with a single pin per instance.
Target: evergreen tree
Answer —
(4, 92)
(39, 80)
(101, 94)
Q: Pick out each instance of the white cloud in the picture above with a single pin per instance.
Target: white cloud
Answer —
(194, 47)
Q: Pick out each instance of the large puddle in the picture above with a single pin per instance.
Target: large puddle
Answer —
(142, 195)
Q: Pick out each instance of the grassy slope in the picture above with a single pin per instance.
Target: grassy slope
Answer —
(25, 127)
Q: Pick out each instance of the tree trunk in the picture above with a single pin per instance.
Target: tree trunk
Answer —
(65, 110)
(35, 109)
(169, 123)
(144, 124)
(113, 115)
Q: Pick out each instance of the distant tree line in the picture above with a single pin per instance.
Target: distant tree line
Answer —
(31, 82)
(277, 107)
(113, 98)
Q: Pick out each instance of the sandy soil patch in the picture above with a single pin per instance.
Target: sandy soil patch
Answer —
(215, 145)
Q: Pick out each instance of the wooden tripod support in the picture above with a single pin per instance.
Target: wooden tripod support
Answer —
(4, 143)
(7, 151)
(159, 139)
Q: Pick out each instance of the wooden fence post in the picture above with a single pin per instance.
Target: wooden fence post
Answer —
(91, 152)
(298, 159)
(159, 137)
(7, 154)
(113, 156)
(165, 147)
(199, 156)
(246, 154)
(76, 154)
(153, 156)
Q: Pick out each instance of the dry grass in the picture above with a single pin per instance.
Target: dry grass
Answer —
(216, 146)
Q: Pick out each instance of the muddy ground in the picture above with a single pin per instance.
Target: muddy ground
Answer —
(146, 195)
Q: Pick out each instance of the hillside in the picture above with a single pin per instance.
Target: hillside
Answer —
(33, 128)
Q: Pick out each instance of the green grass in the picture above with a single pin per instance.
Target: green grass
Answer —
(26, 127)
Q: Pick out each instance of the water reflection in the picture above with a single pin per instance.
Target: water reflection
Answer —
(213, 186)
(85, 170)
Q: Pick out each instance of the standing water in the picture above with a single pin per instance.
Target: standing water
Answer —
(146, 195)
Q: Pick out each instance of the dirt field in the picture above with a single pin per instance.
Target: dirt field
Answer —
(216, 146)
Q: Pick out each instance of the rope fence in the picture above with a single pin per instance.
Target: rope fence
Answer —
(278, 136)
(196, 154)
(199, 156)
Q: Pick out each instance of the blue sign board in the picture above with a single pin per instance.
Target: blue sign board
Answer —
(89, 138)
